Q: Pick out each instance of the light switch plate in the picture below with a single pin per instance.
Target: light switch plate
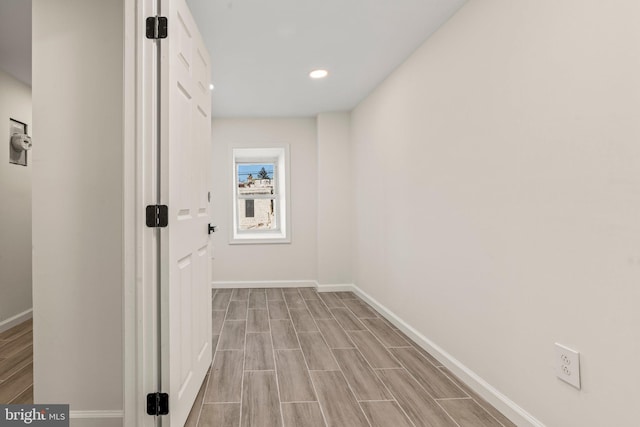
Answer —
(568, 365)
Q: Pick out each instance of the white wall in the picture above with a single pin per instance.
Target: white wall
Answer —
(15, 205)
(335, 200)
(77, 204)
(508, 216)
(268, 262)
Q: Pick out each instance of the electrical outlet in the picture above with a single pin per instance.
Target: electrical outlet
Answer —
(568, 365)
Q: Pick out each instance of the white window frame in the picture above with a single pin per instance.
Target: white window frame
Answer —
(279, 156)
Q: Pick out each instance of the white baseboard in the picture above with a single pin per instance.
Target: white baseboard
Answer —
(96, 414)
(336, 288)
(96, 418)
(264, 284)
(16, 320)
(501, 402)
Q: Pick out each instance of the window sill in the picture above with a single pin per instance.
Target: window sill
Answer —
(259, 239)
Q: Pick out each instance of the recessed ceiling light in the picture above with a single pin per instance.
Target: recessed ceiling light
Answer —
(211, 86)
(318, 74)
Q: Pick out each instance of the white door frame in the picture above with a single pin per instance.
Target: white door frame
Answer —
(139, 272)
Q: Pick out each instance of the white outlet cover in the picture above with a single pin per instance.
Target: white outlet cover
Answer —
(567, 365)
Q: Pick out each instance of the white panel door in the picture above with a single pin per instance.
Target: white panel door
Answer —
(185, 129)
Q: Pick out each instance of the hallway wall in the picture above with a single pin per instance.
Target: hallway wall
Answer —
(506, 214)
(15, 206)
(269, 262)
(335, 200)
(78, 207)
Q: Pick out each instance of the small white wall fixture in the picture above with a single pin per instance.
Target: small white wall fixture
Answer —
(19, 142)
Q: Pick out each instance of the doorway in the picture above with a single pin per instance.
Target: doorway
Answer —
(16, 163)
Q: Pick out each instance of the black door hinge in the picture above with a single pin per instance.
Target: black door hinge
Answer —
(157, 27)
(157, 216)
(157, 404)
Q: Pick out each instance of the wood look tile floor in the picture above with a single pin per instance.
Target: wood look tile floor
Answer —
(16, 364)
(296, 358)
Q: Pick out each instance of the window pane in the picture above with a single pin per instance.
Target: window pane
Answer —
(256, 178)
(249, 208)
(258, 214)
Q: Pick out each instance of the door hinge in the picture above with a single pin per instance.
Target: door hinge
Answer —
(157, 404)
(157, 27)
(157, 216)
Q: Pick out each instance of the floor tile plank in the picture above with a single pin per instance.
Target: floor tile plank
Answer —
(16, 331)
(331, 300)
(232, 336)
(384, 333)
(360, 308)
(305, 414)
(258, 320)
(217, 318)
(339, 406)
(318, 309)
(316, 352)
(15, 362)
(240, 295)
(333, 334)
(481, 401)
(220, 415)
(260, 403)
(17, 344)
(237, 310)
(394, 327)
(419, 407)
(467, 413)
(385, 414)
(302, 320)
(363, 380)
(294, 300)
(283, 334)
(259, 352)
(278, 310)
(25, 398)
(293, 377)
(347, 320)
(372, 350)
(225, 380)
(221, 301)
(422, 351)
(274, 294)
(258, 299)
(346, 295)
(13, 386)
(309, 294)
(430, 377)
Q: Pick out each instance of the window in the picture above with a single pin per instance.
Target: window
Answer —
(249, 207)
(260, 188)
(256, 193)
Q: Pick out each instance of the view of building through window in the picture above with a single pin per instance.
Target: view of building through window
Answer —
(256, 196)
